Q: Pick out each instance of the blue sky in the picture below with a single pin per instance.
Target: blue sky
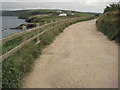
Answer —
(77, 5)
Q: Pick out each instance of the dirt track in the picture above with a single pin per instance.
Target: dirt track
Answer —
(80, 57)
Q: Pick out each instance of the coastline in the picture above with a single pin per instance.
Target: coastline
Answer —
(9, 22)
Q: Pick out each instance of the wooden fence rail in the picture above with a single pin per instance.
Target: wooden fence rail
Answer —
(37, 35)
(4, 40)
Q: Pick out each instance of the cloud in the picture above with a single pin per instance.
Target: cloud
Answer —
(81, 5)
(60, 0)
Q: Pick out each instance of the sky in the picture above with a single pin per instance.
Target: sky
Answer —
(76, 5)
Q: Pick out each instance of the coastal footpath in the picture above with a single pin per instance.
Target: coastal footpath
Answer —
(80, 57)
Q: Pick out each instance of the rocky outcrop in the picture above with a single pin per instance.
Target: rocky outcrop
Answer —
(28, 26)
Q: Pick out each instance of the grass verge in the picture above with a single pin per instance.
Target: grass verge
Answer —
(109, 26)
(15, 67)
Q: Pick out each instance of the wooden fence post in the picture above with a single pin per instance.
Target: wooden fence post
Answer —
(37, 24)
(51, 21)
(24, 28)
(45, 22)
(38, 31)
(56, 21)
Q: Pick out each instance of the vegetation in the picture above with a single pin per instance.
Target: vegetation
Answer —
(112, 7)
(108, 23)
(19, 64)
(11, 44)
(43, 15)
(83, 14)
(14, 67)
(26, 14)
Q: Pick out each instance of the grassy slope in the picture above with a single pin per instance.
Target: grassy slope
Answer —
(108, 24)
(27, 13)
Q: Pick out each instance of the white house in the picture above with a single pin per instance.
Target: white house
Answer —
(63, 14)
(59, 11)
(72, 13)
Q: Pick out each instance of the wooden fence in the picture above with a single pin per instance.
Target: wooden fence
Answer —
(29, 35)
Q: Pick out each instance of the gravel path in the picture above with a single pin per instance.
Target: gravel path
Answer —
(80, 57)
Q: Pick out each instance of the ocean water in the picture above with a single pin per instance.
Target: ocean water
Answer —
(10, 22)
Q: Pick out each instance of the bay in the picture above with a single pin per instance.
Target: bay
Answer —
(10, 22)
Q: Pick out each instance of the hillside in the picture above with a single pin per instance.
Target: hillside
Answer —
(43, 15)
(108, 23)
(24, 14)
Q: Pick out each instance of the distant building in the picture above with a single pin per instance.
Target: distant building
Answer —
(72, 13)
(63, 14)
(59, 11)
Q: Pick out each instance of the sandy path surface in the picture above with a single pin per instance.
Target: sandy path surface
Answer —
(80, 57)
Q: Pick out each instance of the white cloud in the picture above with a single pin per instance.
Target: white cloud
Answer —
(81, 5)
(60, 0)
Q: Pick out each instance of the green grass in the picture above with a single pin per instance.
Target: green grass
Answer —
(81, 14)
(25, 14)
(112, 7)
(18, 65)
(11, 44)
(14, 67)
(108, 25)
(52, 16)
(0, 49)
(17, 41)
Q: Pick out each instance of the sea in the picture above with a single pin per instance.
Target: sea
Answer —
(10, 22)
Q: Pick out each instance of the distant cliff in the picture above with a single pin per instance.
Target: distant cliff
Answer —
(24, 14)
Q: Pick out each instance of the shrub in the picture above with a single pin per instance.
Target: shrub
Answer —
(109, 26)
(112, 7)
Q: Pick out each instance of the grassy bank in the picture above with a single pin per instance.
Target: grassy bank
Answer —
(110, 27)
(108, 24)
(14, 67)
(18, 65)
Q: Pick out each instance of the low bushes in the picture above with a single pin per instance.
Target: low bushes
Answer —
(108, 22)
(112, 7)
(109, 25)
